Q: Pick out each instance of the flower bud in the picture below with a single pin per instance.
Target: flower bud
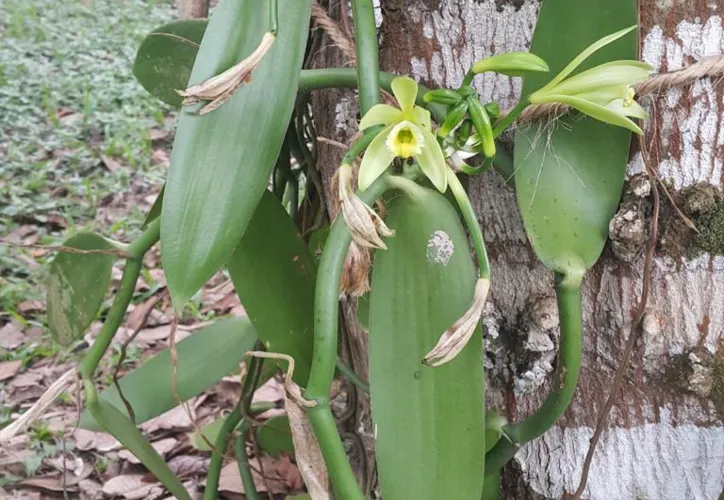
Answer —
(483, 126)
(511, 64)
(442, 96)
(453, 118)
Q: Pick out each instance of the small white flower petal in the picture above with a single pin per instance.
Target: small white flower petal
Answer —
(376, 159)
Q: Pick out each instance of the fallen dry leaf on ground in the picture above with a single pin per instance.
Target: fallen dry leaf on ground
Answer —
(95, 441)
(9, 369)
(132, 487)
(162, 446)
(11, 336)
(189, 465)
(174, 419)
(230, 479)
(91, 490)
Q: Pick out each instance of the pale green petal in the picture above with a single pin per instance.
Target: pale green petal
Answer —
(432, 161)
(601, 113)
(405, 90)
(613, 74)
(421, 117)
(633, 110)
(376, 160)
(380, 114)
(511, 64)
(604, 96)
(595, 46)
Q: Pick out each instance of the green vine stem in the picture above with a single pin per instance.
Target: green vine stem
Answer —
(368, 64)
(227, 428)
(131, 271)
(471, 220)
(508, 120)
(348, 372)
(242, 460)
(568, 293)
(326, 322)
(274, 16)
(491, 487)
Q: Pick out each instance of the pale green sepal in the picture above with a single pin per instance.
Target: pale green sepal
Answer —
(432, 161)
(601, 113)
(380, 114)
(595, 46)
(611, 74)
(376, 159)
(421, 116)
(405, 90)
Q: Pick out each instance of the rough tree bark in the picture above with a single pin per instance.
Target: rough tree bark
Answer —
(193, 9)
(665, 440)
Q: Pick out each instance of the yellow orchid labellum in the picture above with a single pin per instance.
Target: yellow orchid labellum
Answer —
(603, 92)
(407, 134)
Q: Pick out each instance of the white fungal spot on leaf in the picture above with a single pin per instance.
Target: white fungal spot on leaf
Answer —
(440, 248)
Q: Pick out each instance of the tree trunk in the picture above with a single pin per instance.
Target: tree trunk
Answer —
(665, 438)
(193, 9)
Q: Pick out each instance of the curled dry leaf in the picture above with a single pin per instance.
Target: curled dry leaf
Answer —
(222, 87)
(306, 449)
(455, 338)
(354, 281)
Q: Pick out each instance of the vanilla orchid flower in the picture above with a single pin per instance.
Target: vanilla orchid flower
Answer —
(604, 92)
(407, 134)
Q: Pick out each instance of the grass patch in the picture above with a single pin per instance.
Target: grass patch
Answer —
(67, 99)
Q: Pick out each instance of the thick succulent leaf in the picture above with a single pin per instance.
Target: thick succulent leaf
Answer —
(76, 285)
(275, 436)
(274, 275)
(568, 177)
(430, 422)
(165, 58)
(119, 426)
(203, 359)
(491, 489)
(222, 160)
